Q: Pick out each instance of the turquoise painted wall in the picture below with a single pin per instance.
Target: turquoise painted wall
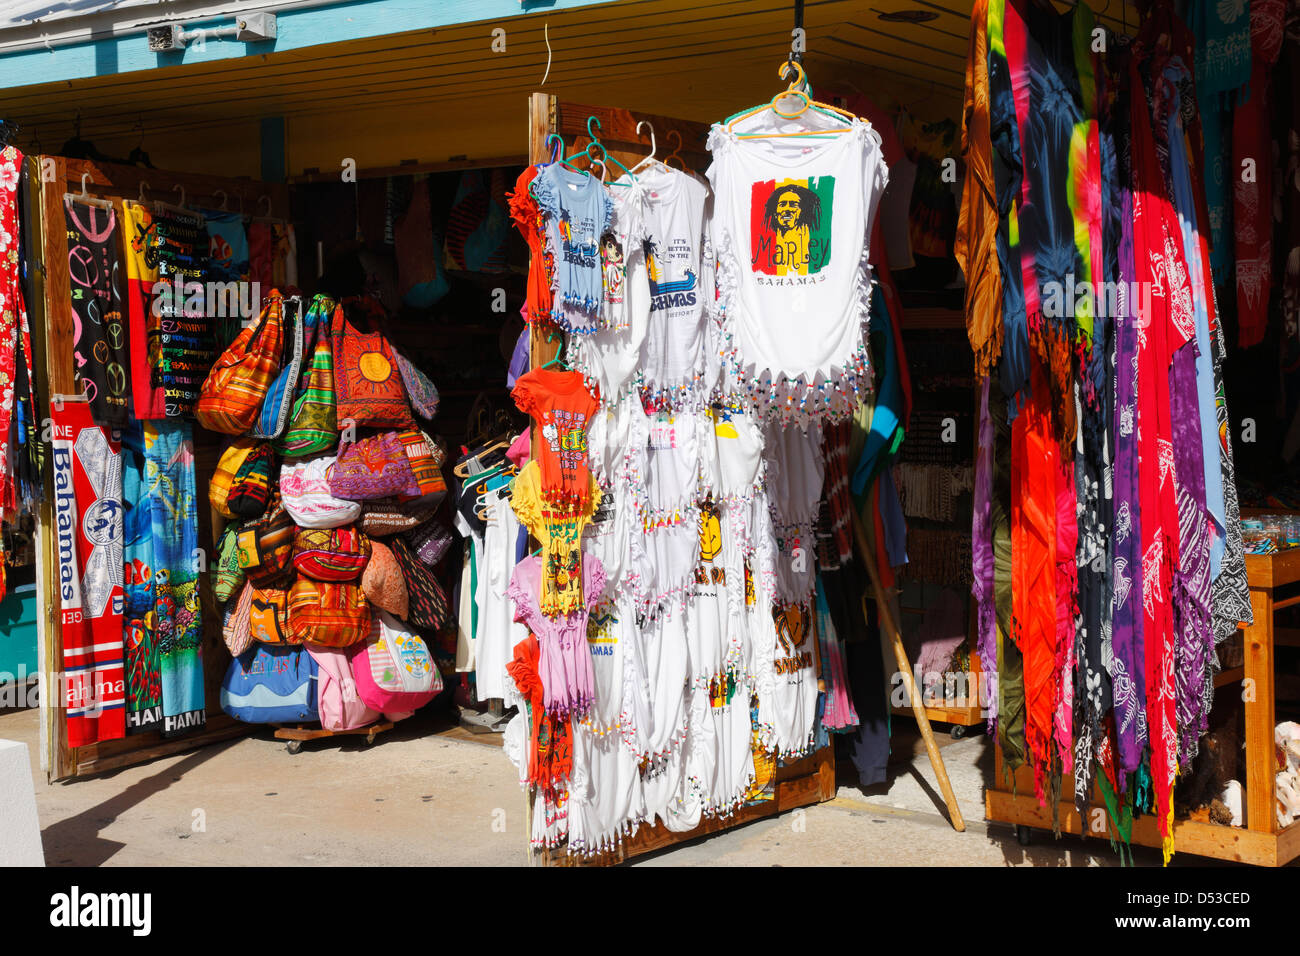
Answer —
(295, 29)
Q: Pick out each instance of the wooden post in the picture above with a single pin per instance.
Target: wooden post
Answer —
(1261, 803)
(56, 335)
(905, 667)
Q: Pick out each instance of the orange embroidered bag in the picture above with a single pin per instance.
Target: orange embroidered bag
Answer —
(232, 394)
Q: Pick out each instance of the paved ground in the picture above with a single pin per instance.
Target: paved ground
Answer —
(413, 798)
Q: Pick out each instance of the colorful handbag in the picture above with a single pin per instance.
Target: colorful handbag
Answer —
(367, 385)
(427, 602)
(313, 424)
(266, 548)
(230, 576)
(425, 457)
(385, 516)
(279, 397)
(374, 467)
(235, 629)
(232, 459)
(331, 554)
(430, 541)
(305, 490)
(232, 394)
(394, 670)
(422, 393)
(382, 582)
(268, 616)
(328, 613)
(251, 488)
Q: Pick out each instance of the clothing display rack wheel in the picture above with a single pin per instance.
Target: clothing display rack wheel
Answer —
(1274, 584)
(296, 735)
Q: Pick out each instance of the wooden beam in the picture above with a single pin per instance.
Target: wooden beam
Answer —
(1261, 802)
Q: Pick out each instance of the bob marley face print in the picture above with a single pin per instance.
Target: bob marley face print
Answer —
(792, 209)
(791, 228)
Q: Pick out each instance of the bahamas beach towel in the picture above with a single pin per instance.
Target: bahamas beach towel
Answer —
(169, 475)
(89, 530)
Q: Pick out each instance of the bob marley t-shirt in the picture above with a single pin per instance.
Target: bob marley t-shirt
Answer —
(790, 226)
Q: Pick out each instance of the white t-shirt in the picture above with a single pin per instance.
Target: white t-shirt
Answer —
(792, 219)
(785, 675)
(498, 632)
(606, 797)
(615, 536)
(731, 454)
(673, 462)
(661, 674)
(680, 273)
(611, 358)
(719, 754)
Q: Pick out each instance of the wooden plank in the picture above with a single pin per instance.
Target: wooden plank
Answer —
(1261, 813)
(53, 732)
(1273, 570)
(806, 782)
(1230, 676)
(964, 716)
(1198, 839)
(128, 751)
(58, 343)
(618, 133)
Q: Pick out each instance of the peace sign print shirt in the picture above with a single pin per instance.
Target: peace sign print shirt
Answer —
(98, 326)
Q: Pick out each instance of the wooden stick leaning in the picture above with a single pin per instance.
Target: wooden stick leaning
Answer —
(905, 667)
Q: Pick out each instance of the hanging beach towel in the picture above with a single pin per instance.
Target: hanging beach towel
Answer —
(88, 514)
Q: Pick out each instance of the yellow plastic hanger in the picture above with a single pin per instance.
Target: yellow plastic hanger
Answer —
(794, 89)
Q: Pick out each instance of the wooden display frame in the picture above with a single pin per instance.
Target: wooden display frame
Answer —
(810, 780)
(1260, 842)
(803, 783)
(50, 318)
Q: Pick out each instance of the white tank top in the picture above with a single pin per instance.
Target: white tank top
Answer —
(791, 222)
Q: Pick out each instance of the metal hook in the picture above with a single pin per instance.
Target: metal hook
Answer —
(143, 186)
(180, 189)
(222, 194)
(85, 193)
(269, 206)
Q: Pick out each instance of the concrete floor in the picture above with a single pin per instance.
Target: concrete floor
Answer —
(414, 798)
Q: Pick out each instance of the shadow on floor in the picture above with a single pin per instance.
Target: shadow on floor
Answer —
(75, 841)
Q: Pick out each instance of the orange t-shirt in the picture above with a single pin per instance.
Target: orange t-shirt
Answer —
(562, 407)
(528, 219)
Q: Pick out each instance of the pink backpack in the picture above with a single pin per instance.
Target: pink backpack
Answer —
(341, 707)
(394, 669)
